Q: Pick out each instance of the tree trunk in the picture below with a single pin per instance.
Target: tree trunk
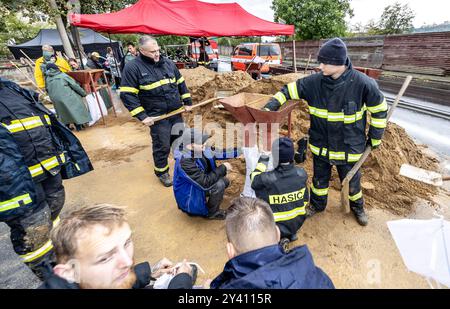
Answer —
(62, 30)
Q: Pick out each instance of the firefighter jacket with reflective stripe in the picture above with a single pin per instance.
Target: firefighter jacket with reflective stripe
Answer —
(17, 190)
(284, 189)
(37, 133)
(153, 89)
(272, 268)
(338, 113)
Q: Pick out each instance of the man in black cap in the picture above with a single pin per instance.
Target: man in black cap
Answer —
(199, 184)
(284, 188)
(338, 99)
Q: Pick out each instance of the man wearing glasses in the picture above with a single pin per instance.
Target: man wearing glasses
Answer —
(152, 86)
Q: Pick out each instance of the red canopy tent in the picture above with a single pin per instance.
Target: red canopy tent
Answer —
(185, 18)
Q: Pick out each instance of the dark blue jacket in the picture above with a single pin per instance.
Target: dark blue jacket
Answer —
(193, 177)
(272, 268)
(17, 191)
(32, 139)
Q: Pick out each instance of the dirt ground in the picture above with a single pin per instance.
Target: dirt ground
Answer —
(353, 256)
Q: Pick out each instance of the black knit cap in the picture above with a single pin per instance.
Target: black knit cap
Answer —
(284, 147)
(333, 52)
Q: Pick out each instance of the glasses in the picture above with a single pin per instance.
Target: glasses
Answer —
(156, 51)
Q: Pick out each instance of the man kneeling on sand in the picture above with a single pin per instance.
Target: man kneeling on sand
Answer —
(94, 249)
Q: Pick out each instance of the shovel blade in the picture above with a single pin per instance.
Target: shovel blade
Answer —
(422, 175)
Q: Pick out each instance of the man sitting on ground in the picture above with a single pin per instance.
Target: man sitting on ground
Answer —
(197, 176)
(256, 259)
(94, 250)
(284, 189)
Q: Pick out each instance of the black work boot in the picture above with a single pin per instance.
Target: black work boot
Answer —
(310, 211)
(218, 215)
(165, 180)
(361, 217)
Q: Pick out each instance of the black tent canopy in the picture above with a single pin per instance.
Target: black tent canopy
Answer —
(91, 41)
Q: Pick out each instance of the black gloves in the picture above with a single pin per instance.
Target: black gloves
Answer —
(300, 154)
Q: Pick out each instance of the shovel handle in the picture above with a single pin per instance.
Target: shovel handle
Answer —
(345, 183)
(445, 178)
(183, 110)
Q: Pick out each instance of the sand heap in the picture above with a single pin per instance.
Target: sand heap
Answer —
(382, 185)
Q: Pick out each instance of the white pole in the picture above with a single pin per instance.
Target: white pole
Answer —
(295, 58)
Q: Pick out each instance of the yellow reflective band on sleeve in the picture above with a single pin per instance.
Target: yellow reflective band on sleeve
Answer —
(185, 96)
(254, 174)
(382, 107)
(157, 84)
(180, 80)
(137, 110)
(355, 197)
(318, 112)
(30, 257)
(375, 142)
(129, 89)
(280, 97)
(36, 170)
(334, 117)
(287, 197)
(50, 163)
(26, 123)
(291, 214)
(63, 157)
(56, 221)
(333, 155)
(47, 118)
(293, 93)
(379, 123)
(165, 168)
(354, 157)
(324, 152)
(261, 167)
(15, 202)
(319, 192)
(315, 150)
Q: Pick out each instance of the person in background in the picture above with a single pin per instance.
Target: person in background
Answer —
(74, 65)
(131, 54)
(114, 67)
(48, 56)
(66, 95)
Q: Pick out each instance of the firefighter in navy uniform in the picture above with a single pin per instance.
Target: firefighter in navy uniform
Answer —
(35, 149)
(152, 86)
(338, 99)
(284, 189)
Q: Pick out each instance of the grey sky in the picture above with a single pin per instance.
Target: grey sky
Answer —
(427, 11)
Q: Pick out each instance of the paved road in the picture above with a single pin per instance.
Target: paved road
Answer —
(13, 273)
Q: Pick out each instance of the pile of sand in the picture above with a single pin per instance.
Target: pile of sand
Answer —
(382, 185)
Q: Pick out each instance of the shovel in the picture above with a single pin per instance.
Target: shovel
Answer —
(423, 175)
(346, 182)
(219, 95)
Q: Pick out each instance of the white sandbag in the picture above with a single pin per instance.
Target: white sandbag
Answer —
(251, 155)
(93, 108)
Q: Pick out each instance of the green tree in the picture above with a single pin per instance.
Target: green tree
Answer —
(14, 27)
(314, 19)
(396, 19)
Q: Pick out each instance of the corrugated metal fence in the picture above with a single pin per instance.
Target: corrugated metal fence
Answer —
(423, 53)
